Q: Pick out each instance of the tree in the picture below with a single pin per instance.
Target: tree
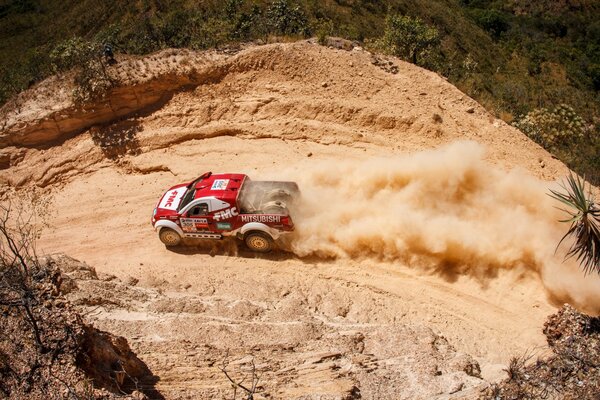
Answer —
(493, 21)
(92, 79)
(584, 217)
(408, 38)
(285, 17)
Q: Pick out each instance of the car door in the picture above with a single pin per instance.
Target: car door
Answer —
(197, 219)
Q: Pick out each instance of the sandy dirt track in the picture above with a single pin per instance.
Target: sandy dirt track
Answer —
(480, 318)
(317, 326)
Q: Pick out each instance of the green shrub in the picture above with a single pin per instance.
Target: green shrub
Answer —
(323, 28)
(245, 24)
(559, 128)
(72, 53)
(92, 80)
(493, 21)
(409, 38)
(285, 17)
(594, 74)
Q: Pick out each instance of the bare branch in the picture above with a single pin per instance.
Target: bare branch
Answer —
(250, 392)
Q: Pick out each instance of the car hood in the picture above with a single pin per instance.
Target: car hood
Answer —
(172, 197)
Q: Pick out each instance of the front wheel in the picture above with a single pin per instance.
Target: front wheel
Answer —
(169, 237)
(259, 242)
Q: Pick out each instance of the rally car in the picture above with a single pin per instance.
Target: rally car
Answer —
(213, 206)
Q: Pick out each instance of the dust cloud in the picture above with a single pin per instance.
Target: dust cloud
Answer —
(445, 210)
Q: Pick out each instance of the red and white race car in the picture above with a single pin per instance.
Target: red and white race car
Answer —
(216, 205)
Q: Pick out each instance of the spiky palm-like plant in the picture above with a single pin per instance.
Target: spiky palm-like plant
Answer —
(584, 217)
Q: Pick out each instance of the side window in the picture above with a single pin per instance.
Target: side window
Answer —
(200, 209)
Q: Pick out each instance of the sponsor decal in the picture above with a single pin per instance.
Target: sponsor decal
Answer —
(171, 200)
(226, 214)
(260, 218)
(223, 225)
(193, 224)
(220, 184)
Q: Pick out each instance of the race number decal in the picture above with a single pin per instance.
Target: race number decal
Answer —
(220, 184)
(193, 224)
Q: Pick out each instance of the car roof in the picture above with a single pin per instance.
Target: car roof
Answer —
(221, 186)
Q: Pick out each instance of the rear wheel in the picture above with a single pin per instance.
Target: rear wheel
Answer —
(169, 237)
(259, 242)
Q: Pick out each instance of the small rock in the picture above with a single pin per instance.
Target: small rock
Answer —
(67, 284)
(456, 387)
(309, 155)
(107, 277)
(470, 110)
(324, 84)
(137, 395)
(131, 281)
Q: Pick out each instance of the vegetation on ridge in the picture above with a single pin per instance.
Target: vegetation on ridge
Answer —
(520, 59)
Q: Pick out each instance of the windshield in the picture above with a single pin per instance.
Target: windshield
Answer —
(191, 190)
(187, 197)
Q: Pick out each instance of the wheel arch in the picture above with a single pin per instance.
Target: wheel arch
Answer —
(257, 226)
(163, 223)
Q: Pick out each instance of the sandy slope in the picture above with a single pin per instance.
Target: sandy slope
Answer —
(275, 108)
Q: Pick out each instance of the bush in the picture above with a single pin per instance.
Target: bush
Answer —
(324, 28)
(571, 370)
(92, 80)
(409, 38)
(287, 18)
(559, 128)
(564, 133)
(594, 74)
(493, 21)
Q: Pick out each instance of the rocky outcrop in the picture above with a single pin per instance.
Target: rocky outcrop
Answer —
(134, 94)
(45, 347)
(297, 347)
(572, 371)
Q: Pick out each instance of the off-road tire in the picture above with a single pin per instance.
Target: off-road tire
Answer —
(169, 237)
(259, 242)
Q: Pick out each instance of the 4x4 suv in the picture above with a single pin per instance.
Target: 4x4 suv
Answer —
(216, 205)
